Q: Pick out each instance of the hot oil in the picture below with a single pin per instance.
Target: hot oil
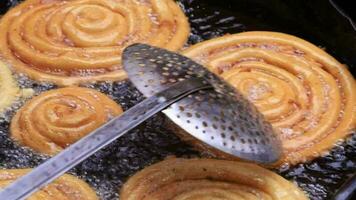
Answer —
(108, 169)
(11, 156)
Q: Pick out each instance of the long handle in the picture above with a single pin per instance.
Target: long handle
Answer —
(348, 190)
(64, 161)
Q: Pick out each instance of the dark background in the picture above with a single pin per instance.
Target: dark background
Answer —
(317, 21)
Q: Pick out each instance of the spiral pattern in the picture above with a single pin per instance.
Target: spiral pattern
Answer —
(307, 95)
(55, 119)
(189, 179)
(74, 41)
(66, 187)
(9, 91)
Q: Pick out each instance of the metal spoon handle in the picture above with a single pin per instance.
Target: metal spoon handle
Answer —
(347, 190)
(87, 146)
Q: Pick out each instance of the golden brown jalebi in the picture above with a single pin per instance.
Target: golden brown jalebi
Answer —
(55, 119)
(193, 179)
(9, 91)
(74, 41)
(307, 95)
(66, 187)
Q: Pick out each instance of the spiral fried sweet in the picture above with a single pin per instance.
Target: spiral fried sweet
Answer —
(66, 187)
(55, 119)
(307, 95)
(189, 179)
(9, 91)
(73, 41)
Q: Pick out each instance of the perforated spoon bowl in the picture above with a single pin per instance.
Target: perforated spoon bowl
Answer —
(219, 117)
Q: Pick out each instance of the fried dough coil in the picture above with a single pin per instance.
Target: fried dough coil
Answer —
(55, 119)
(307, 95)
(74, 41)
(190, 179)
(66, 187)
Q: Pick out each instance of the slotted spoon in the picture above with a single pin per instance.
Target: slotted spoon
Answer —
(201, 104)
(220, 116)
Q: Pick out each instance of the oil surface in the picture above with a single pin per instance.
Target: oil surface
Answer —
(108, 169)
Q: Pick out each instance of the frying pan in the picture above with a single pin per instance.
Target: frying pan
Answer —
(317, 21)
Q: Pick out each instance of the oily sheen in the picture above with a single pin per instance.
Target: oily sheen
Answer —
(74, 41)
(307, 95)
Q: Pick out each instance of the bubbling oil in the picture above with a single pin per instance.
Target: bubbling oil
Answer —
(107, 170)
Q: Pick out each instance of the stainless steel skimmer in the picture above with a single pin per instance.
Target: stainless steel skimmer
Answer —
(206, 107)
(220, 116)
